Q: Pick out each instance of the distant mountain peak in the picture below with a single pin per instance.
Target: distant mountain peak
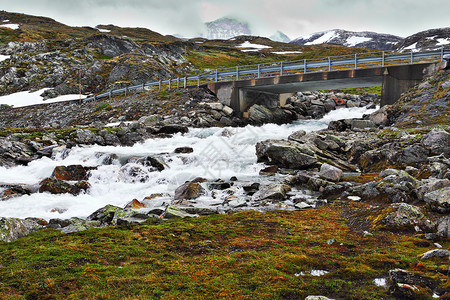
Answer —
(363, 39)
(226, 28)
(280, 37)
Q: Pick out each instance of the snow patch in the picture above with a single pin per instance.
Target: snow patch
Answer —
(312, 272)
(4, 57)
(288, 52)
(324, 38)
(11, 26)
(104, 30)
(247, 44)
(411, 47)
(442, 42)
(380, 281)
(354, 40)
(5, 21)
(26, 98)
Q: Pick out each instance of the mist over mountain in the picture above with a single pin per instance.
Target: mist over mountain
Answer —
(225, 28)
(280, 37)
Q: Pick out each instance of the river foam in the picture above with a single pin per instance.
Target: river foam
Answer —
(219, 153)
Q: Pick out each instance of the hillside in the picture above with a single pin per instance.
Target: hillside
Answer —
(38, 53)
(168, 194)
(432, 39)
(370, 40)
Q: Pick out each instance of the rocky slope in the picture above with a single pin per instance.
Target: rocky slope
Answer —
(42, 53)
(364, 39)
(432, 39)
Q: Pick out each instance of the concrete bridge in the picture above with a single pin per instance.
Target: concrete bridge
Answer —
(242, 86)
(394, 80)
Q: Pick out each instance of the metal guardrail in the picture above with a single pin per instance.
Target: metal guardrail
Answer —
(346, 62)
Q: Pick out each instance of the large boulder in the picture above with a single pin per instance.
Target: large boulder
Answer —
(285, 154)
(410, 155)
(56, 186)
(431, 185)
(172, 129)
(259, 115)
(437, 141)
(272, 192)
(380, 117)
(407, 285)
(72, 172)
(330, 172)
(189, 190)
(114, 215)
(12, 228)
(439, 200)
(401, 216)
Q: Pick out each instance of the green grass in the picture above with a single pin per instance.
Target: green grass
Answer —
(246, 255)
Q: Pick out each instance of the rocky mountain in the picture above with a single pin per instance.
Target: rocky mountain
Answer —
(426, 40)
(38, 52)
(364, 39)
(280, 37)
(225, 28)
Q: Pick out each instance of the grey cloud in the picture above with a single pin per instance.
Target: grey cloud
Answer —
(294, 17)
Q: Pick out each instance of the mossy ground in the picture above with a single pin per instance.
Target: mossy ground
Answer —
(245, 255)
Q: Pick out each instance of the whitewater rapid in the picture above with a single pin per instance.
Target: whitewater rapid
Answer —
(219, 153)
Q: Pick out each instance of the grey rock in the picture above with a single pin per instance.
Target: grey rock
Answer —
(436, 253)
(297, 136)
(285, 154)
(272, 192)
(362, 124)
(189, 190)
(443, 228)
(114, 215)
(152, 120)
(431, 186)
(439, 200)
(380, 117)
(12, 229)
(438, 141)
(330, 172)
(84, 136)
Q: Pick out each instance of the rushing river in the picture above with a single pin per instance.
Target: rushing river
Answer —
(219, 153)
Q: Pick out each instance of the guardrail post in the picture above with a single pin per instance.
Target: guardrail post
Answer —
(142, 87)
(329, 64)
(178, 82)
(217, 76)
(412, 57)
(304, 66)
(185, 82)
(95, 98)
(442, 53)
(198, 81)
(126, 91)
(383, 60)
(159, 85)
(281, 68)
(259, 71)
(110, 93)
(170, 85)
(356, 61)
(237, 73)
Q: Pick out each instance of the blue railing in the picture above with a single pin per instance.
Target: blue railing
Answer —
(347, 62)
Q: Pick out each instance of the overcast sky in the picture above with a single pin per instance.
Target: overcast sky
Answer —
(293, 17)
